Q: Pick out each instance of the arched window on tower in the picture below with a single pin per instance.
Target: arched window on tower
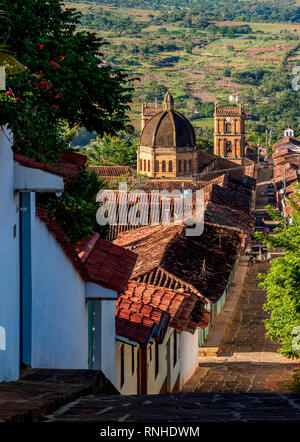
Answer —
(163, 169)
(228, 128)
(179, 166)
(184, 165)
(148, 165)
(228, 147)
(170, 166)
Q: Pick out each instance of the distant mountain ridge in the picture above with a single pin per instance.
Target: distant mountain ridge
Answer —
(241, 10)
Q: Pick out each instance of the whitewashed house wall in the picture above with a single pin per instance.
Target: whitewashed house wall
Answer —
(130, 385)
(108, 339)
(59, 309)
(188, 355)
(9, 264)
(60, 328)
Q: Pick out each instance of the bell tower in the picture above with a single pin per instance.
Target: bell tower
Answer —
(229, 131)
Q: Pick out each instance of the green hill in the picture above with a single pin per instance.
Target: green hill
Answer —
(205, 53)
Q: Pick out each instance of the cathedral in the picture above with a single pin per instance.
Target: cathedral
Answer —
(168, 149)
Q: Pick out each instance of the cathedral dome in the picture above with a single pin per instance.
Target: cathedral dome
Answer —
(168, 128)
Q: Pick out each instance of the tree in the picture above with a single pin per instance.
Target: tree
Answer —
(282, 283)
(75, 210)
(7, 59)
(204, 145)
(65, 79)
(111, 151)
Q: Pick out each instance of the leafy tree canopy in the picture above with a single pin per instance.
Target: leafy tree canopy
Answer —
(111, 151)
(282, 283)
(64, 81)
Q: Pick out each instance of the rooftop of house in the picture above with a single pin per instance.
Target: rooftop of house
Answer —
(107, 264)
(110, 172)
(168, 258)
(67, 167)
(139, 322)
(286, 142)
(186, 310)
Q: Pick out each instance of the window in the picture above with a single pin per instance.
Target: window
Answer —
(141, 164)
(175, 348)
(190, 165)
(179, 166)
(163, 166)
(148, 165)
(132, 360)
(145, 165)
(150, 352)
(228, 146)
(228, 128)
(156, 358)
(156, 166)
(122, 374)
(170, 166)
(184, 166)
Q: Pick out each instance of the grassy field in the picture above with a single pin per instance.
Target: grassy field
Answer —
(196, 73)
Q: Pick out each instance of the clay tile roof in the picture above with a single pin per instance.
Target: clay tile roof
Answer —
(168, 129)
(168, 258)
(149, 243)
(139, 322)
(106, 263)
(285, 141)
(110, 172)
(179, 305)
(67, 167)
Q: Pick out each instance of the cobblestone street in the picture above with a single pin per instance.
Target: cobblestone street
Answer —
(248, 361)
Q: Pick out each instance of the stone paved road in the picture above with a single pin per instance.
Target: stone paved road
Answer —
(248, 361)
(181, 408)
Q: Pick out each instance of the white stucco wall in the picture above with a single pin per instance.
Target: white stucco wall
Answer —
(166, 366)
(9, 265)
(108, 339)
(130, 385)
(188, 355)
(59, 310)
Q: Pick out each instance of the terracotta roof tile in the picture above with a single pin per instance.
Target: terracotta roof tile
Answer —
(68, 167)
(110, 172)
(106, 263)
(285, 141)
(170, 259)
(186, 310)
(139, 322)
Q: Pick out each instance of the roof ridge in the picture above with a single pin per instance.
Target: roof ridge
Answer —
(87, 249)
